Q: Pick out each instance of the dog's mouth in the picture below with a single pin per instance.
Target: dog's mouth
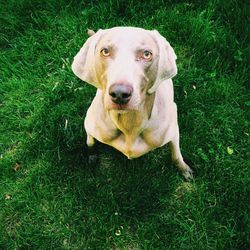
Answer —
(120, 107)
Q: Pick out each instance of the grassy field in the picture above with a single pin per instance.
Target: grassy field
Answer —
(50, 198)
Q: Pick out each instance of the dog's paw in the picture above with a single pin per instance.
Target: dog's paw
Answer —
(93, 159)
(186, 171)
(188, 174)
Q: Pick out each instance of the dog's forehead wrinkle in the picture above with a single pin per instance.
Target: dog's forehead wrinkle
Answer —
(106, 42)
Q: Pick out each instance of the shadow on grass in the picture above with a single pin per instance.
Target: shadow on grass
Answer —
(132, 188)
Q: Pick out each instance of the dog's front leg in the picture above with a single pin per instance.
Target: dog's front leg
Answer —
(177, 157)
(90, 141)
(91, 150)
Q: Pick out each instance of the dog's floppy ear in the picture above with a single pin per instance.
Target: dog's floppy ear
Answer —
(83, 65)
(166, 66)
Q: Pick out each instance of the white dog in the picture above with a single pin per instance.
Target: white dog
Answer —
(134, 109)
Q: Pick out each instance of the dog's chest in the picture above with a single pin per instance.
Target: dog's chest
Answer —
(135, 145)
(132, 137)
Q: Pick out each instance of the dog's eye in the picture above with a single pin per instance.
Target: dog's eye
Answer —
(147, 55)
(105, 52)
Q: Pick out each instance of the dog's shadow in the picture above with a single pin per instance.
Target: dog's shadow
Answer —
(132, 188)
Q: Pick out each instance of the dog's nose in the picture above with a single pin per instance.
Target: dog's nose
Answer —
(120, 93)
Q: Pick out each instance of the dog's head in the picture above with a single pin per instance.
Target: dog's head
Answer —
(126, 63)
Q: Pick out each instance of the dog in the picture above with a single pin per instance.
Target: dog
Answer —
(134, 109)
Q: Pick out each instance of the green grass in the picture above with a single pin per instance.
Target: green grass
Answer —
(55, 200)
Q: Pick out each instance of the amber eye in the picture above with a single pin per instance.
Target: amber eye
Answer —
(105, 52)
(147, 55)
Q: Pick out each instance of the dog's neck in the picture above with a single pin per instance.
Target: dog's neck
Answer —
(132, 122)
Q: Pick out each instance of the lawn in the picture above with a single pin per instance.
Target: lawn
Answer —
(51, 198)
